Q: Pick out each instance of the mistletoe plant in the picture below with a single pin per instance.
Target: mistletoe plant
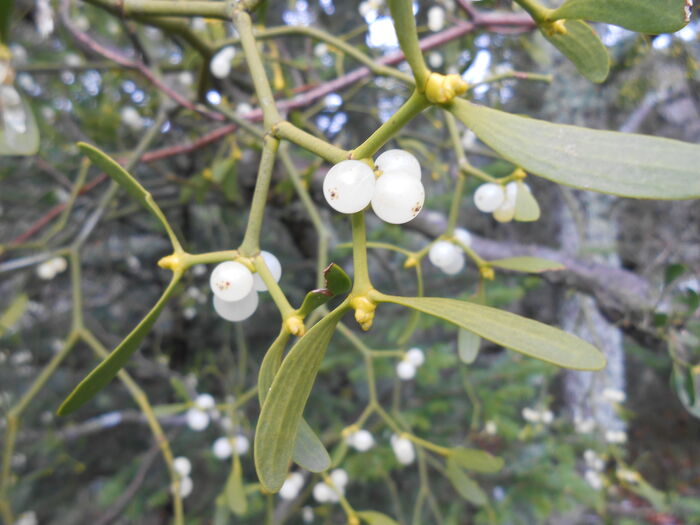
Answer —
(626, 165)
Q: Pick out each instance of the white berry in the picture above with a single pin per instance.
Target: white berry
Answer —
(403, 449)
(405, 370)
(275, 268)
(455, 266)
(443, 253)
(415, 356)
(197, 419)
(205, 401)
(506, 211)
(182, 466)
(186, 487)
(220, 65)
(222, 448)
(348, 186)
(241, 444)
(489, 197)
(463, 236)
(231, 281)
(291, 486)
(362, 440)
(398, 197)
(399, 160)
(236, 311)
(324, 494)
(340, 478)
(436, 18)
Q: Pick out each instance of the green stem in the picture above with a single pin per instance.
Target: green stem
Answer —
(359, 254)
(407, 33)
(141, 399)
(244, 26)
(288, 131)
(251, 242)
(537, 11)
(286, 309)
(415, 104)
(190, 8)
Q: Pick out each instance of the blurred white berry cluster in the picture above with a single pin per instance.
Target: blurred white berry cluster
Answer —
(325, 493)
(236, 288)
(407, 367)
(447, 255)
(397, 196)
(502, 201)
(49, 269)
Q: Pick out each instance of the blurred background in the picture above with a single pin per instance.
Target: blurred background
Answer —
(617, 446)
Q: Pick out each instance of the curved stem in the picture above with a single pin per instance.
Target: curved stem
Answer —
(359, 254)
(407, 33)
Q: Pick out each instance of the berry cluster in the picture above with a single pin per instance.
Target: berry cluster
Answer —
(183, 467)
(412, 360)
(448, 256)
(324, 493)
(403, 449)
(501, 202)
(397, 196)
(236, 288)
(361, 440)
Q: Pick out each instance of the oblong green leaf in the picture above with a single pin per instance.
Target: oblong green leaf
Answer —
(281, 413)
(644, 16)
(580, 44)
(527, 264)
(468, 344)
(25, 143)
(464, 485)
(309, 452)
(107, 369)
(375, 518)
(526, 207)
(122, 177)
(235, 493)
(526, 336)
(476, 460)
(14, 312)
(624, 164)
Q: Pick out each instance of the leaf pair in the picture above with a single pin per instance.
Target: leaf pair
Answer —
(624, 164)
(281, 415)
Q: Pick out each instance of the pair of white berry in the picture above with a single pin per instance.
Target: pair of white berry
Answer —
(183, 468)
(292, 486)
(324, 493)
(198, 416)
(448, 256)
(412, 360)
(495, 199)
(236, 288)
(224, 446)
(397, 196)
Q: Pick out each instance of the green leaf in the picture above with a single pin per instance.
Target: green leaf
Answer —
(281, 413)
(468, 344)
(26, 143)
(13, 313)
(624, 164)
(527, 264)
(476, 460)
(582, 46)
(526, 336)
(309, 452)
(235, 494)
(129, 184)
(375, 518)
(464, 485)
(673, 272)
(5, 16)
(644, 16)
(337, 283)
(107, 369)
(684, 383)
(526, 207)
